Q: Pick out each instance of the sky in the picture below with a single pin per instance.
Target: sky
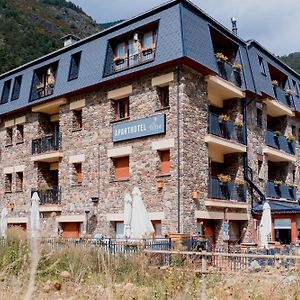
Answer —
(273, 23)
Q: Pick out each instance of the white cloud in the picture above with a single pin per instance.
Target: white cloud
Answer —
(275, 24)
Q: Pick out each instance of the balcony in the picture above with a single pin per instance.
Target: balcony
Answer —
(224, 138)
(282, 191)
(49, 196)
(47, 148)
(121, 64)
(235, 195)
(278, 148)
(282, 106)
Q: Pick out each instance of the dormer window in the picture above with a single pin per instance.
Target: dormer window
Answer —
(133, 49)
(17, 88)
(5, 91)
(43, 81)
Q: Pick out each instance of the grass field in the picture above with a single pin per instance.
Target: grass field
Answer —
(87, 273)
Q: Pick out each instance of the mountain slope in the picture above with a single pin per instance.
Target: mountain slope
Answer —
(32, 28)
(292, 60)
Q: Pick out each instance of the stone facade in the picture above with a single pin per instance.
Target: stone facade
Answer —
(175, 205)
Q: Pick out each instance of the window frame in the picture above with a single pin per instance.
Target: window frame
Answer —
(8, 183)
(19, 181)
(78, 178)
(73, 60)
(117, 106)
(18, 79)
(77, 119)
(165, 164)
(6, 88)
(21, 132)
(164, 91)
(9, 136)
(262, 65)
(121, 169)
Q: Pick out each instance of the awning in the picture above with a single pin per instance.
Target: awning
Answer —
(279, 207)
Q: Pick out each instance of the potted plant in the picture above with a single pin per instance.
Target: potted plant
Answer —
(240, 183)
(224, 118)
(289, 92)
(224, 179)
(237, 67)
(290, 137)
(221, 58)
(239, 128)
(291, 186)
(147, 51)
(277, 133)
(118, 60)
(160, 184)
(278, 182)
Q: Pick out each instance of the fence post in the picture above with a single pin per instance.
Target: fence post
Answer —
(203, 263)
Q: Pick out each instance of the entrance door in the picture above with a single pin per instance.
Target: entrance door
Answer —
(71, 230)
(209, 233)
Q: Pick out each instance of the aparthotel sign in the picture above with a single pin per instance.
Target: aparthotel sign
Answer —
(139, 128)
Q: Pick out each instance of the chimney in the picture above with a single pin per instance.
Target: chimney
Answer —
(69, 39)
(234, 28)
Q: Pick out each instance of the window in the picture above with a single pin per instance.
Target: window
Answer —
(43, 81)
(163, 94)
(121, 50)
(16, 89)
(121, 109)
(135, 48)
(282, 229)
(295, 88)
(8, 183)
(259, 117)
(164, 161)
(121, 165)
(19, 181)
(157, 228)
(9, 136)
(77, 119)
(74, 66)
(148, 40)
(20, 133)
(78, 173)
(261, 65)
(5, 91)
(119, 230)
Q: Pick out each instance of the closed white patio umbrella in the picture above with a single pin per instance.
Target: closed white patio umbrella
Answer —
(35, 216)
(127, 215)
(141, 226)
(3, 223)
(265, 227)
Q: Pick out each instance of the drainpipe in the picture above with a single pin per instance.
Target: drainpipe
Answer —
(178, 149)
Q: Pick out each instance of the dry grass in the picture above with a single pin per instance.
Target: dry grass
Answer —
(94, 274)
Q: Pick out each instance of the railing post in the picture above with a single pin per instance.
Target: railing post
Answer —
(203, 263)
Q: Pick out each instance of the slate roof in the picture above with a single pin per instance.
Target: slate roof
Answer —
(279, 207)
